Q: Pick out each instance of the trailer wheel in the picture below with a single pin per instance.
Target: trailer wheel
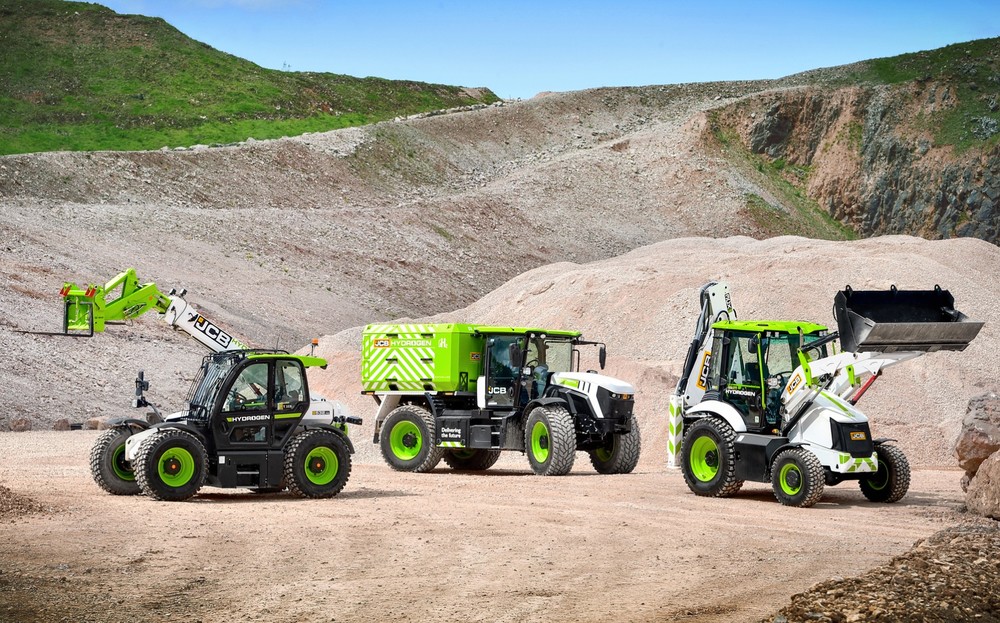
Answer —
(550, 441)
(407, 440)
(797, 478)
(620, 454)
(317, 464)
(170, 465)
(892, 480)
(108, 466)
(471, 459)
(708, 458)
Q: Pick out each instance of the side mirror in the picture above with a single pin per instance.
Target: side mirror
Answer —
(602, 356)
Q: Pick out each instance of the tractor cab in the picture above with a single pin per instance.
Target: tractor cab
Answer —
(751, 362)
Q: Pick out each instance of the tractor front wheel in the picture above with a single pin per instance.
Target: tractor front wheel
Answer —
(317, 464)
(550, 441)
(108, 466)
(892, 480)
(797, 478)
(708, 458)
(171, 465)
(470, 459)
(620, 453)
(407, 440)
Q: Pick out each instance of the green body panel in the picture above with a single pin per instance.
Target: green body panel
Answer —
(429, 357)
(308, 361)
(779, 326)
(122, 298)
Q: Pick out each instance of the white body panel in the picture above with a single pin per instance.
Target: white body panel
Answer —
(587, 384)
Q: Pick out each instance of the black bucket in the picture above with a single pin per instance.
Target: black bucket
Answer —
(901, 320)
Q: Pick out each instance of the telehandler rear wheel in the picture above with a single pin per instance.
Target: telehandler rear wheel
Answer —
(708, 458)
(550, 441)
(620, 454)
(407, 440)
(892, 480)
(797, 478)
(171, 465)
(471, 459)
(317, 464)
(108, 466)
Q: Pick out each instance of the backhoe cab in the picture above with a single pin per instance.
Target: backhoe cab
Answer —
(769, 401)
(250, 422)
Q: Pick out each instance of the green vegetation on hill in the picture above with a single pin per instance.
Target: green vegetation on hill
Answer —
(78, 76)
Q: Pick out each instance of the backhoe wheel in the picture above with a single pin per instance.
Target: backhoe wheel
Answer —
(620, 454)
(550, 441)
(797, 478)
(470, 459)
(407, 440)
(108, 466)
(708, 458)
(317, 464)
(170, 465)
(892, 480)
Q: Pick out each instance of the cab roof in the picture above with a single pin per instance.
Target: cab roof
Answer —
(524, 330)
(780, 326)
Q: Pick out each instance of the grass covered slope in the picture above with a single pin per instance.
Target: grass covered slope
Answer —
(78, 76)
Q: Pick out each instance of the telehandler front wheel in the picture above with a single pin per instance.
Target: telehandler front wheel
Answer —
(471, 459)
(171, 465)
(797, 478)
(317, 464)
(407, 440)
(620, 454)
(550, 440)
(108, 466)
(708, 458)
(892, 480)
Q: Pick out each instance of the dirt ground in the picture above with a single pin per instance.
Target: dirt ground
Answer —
(500, 546)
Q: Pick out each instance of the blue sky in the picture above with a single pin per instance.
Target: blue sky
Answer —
(519, 48)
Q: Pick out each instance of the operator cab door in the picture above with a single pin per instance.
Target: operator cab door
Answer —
(261, 405)
(503, 371)
(742, 379)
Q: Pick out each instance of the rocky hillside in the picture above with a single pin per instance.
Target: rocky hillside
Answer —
(907, 145)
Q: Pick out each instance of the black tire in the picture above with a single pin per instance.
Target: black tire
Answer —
(620, 454)
(317, 464)
(797, 478)
(407, 440)
(170, 465)
(474, 460)
(550, 441)
(892, 480)
(708, 458)
(108, 466)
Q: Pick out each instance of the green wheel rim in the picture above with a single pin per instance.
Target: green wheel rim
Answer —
(540, 442)
(463, 453)
(321, 465)
(604, 454)
(176, 467)
(704, 459)
(404, 433)
(786, 469)
(880, 479)
(120, 466)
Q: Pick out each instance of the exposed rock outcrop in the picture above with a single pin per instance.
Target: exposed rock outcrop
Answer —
(980, 435)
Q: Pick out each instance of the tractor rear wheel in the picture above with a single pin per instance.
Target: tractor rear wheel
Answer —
(108, 466)
(550, 441)
(171, 465)
(892, 480)
(797, 478)
(470, 459)
(407, 440)
(620, 454)
(708, 458)
(317, 464)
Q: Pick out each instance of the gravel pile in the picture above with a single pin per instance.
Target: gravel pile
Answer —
(14, 505)
(953, 575)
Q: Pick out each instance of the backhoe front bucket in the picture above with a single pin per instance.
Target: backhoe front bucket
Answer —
(901, 320)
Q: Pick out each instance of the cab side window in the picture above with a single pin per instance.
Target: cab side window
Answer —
(289, 385)
(249, 390)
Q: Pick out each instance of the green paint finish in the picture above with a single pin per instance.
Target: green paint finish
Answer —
(405, 440)
(321, 465)
(840, 404)
(286, 416)
(569, 382)
(790, 472)
(176, 467)
(704, 459)
(540, 442)
(120, 465)
(779, 326)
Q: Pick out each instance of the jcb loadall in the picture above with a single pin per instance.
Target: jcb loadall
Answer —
(767, 401)
(465, 393)
(250, 419)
